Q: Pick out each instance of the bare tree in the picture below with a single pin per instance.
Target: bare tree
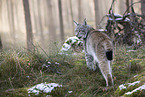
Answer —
(51, 24)
(97, 16)
(61, 21)
(40, 23)
(16, 4)
(10, 9)
(67, 15)
(127, 5)
(28, 25)
(143, 13)
(71, 11)
(34, 17)
(1, 46)
(80, 12)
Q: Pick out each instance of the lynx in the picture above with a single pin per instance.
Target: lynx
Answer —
(98, 49)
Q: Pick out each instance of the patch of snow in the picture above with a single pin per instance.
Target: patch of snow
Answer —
(56, 63)
(101, 30)
(127, 19)
(110, 19)
(139, 40)
(74, 38)
(48, 96)
(43, 87)
(65, 47)
(44, 65)
(135, 90)
(70, 43)
(134, 83)
(117, 19)
(49, 62)
(131, 50)
(117, 15)
(69, 91)
(122, 87)
(136, 75)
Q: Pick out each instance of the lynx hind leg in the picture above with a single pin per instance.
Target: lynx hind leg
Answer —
(90, 62)
(106, 71)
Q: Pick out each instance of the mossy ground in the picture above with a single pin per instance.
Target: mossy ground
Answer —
(20, 69)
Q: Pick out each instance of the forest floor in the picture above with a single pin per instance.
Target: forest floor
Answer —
(21, 70)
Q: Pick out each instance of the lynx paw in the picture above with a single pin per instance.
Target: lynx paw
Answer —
(94, 67)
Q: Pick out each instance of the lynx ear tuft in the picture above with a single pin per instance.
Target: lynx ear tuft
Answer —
(75, 23)
(85, 23)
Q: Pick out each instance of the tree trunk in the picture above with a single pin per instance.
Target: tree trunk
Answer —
(71, 11)
(127, 5)
(11, 20)
(80, 13)
(67, 23)
(51, 24)
(29, 34)
(35, 27)
(61, 21)
(97, 16)
(40, 23)
(143, 13)
(1, 46)
(17, 16)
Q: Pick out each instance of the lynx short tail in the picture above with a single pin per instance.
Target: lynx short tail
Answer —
(109, 55)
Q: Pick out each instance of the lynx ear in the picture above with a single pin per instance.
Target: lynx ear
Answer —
(85, 23)
(75, 23)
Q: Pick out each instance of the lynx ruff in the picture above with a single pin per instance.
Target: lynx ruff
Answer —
(98, 49)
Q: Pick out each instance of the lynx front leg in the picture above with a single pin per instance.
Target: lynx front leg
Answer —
(90, 62)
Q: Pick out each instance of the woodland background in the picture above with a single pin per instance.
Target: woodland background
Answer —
(32, 33)
(47, 21)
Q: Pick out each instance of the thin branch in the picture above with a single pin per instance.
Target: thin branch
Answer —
(131, 6)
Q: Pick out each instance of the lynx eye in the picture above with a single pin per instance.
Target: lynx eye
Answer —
(81, 30)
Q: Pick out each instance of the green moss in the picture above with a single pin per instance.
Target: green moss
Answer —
(21, 92)
(69, 41)
(74, 74)
(138, 93)
(59, 92)
(134, 65)
(119, 92)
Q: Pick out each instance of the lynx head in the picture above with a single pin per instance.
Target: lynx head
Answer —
(82, 29)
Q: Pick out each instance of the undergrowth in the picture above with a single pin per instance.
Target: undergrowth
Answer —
(21, 69)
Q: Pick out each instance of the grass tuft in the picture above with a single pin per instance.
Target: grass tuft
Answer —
(20, 69)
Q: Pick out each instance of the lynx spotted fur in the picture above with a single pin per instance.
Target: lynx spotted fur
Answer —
(98, 49)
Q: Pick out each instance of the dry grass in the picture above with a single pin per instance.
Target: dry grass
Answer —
(20, 69)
